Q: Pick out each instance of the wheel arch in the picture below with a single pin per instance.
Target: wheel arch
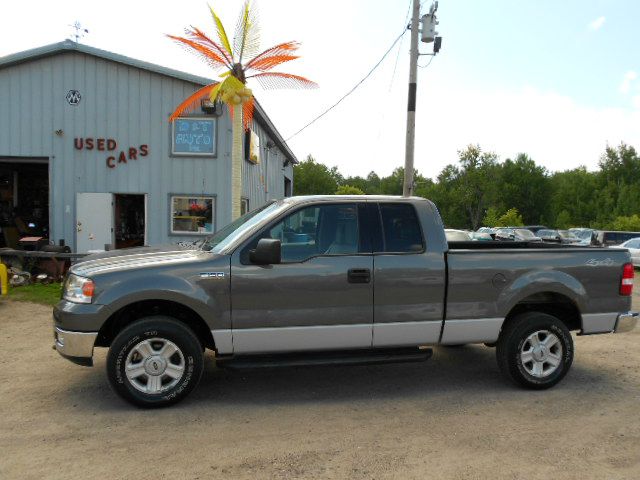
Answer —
(136, 310)
(553, 303)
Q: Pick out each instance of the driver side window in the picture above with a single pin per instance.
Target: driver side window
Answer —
(317, 230)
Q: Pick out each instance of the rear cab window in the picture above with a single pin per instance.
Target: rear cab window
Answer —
(399, 228)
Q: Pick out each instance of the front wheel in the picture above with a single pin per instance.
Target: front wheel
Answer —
(535, 350)
(155, 362)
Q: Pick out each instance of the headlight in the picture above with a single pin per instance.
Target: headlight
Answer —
(78, 289)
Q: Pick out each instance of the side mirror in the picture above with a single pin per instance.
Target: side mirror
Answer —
(267, 252)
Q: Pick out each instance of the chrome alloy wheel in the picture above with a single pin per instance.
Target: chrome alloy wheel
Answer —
(155, 365)
(541, 353)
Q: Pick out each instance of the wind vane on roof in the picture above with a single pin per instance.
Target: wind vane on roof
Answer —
(80, 32)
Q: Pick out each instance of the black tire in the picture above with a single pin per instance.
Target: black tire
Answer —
(514, 338)
(188, 360)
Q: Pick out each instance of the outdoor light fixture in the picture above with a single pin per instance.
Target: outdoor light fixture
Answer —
(211, 108)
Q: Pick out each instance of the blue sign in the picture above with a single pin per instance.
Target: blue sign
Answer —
(194, 136)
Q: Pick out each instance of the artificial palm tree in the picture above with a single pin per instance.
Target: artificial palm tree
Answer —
(232, 89)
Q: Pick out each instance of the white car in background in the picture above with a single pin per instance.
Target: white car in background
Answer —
(633, 246)
(454, 235)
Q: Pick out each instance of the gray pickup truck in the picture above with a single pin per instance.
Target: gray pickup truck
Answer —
(335, 279)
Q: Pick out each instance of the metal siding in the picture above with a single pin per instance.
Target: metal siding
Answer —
(132, 106)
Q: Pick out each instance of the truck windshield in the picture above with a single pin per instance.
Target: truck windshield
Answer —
(225, 236)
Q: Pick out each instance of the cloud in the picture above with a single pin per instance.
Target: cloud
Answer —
(597, 24)
(627, 80)
(554, 129)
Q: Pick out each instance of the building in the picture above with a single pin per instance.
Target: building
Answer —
(88, 156)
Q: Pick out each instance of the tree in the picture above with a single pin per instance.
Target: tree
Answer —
(629, 224)
(392, 185)
(312, 178)
(563, 221)
(348, 190)
(232, 88)
(573, 192)
(511, 218)
(525, 186)
(471, 187)
(492, 217)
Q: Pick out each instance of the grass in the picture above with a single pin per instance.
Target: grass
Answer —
(36, 293)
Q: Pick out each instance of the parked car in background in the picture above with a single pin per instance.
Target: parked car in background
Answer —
(533, 228)
(453, 235)
(587, 236)
(548, 235)
(481, 236)
(516, 235)
(633, 246)
(608, 238)
(568, 238)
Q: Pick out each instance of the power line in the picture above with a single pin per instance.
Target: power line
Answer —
(428, 63)
(353, 89)
(395, 64)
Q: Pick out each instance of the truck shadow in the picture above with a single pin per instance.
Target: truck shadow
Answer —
(462, 375)
(471, 371)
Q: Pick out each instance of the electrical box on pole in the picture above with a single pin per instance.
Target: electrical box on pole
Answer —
(428, 23)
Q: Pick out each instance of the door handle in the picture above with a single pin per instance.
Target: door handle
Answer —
(359, 275)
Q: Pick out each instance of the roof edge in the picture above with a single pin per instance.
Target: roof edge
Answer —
(70, 46)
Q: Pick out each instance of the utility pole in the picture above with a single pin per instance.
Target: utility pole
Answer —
(429, 35)
(407, 188)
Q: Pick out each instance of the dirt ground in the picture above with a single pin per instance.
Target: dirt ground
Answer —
(451, 417)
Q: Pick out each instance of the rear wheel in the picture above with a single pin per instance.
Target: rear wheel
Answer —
(535, 350)
(155, 362)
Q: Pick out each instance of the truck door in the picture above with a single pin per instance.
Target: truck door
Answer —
(320, 297)
(409, 280)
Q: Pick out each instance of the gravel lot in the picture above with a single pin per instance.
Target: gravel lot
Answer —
(451, 417)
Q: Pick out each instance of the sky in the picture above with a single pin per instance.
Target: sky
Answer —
(558, 80)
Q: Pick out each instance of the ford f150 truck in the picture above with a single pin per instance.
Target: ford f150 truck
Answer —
(335, 279)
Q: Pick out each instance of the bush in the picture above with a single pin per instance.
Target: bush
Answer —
(348, 190)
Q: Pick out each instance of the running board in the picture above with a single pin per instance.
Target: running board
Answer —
(349, 357)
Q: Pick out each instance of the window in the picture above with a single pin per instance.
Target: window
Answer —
(244, 206)
(317, 230)
(401, 228)
(192, 214)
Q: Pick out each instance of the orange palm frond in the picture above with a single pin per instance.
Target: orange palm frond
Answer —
(201, 38)
(210, 57)
(275, 80)
(267, 63)
(247, 113)
(193, 101)
(285, 48)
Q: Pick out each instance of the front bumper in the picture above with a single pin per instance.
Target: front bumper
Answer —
(626, 322)
(75, 346)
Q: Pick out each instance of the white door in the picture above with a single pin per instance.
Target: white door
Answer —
(94, 221)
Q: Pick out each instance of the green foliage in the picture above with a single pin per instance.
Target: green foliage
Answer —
(630, 223)
(312, 178)
(480, 190)
(511, 218)
(37, 293)
(492, 217)
(563, 221)
(349, 190)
